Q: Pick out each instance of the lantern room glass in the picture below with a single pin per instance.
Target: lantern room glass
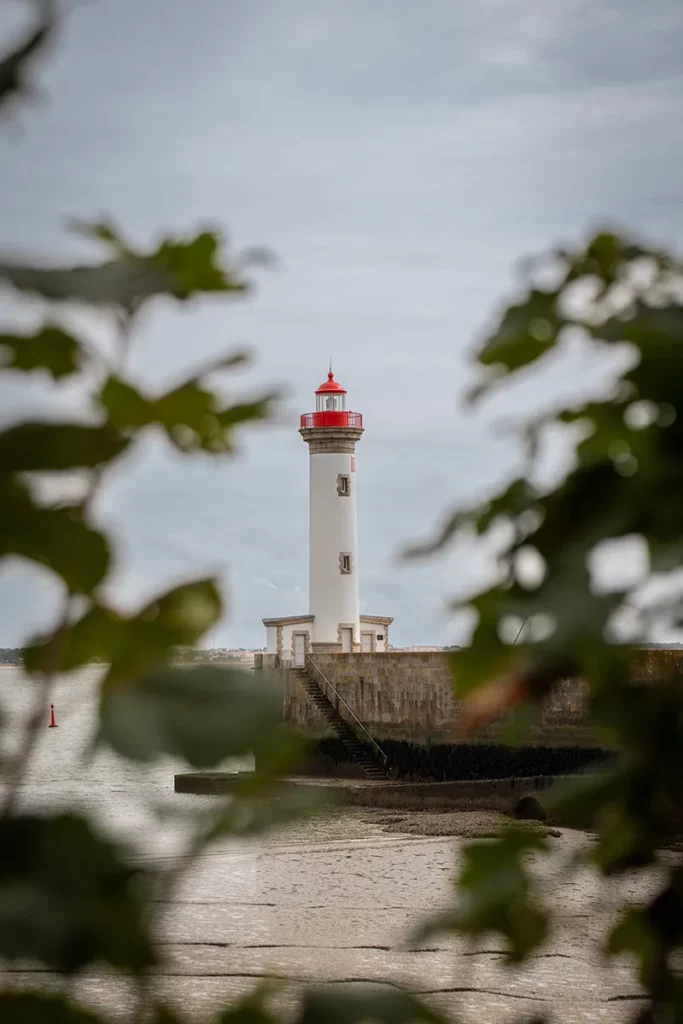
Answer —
(330, 402)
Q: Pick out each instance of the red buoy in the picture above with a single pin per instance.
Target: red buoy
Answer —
(53, 720)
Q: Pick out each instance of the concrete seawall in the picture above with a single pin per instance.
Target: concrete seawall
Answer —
(493, 794)
(410, 696)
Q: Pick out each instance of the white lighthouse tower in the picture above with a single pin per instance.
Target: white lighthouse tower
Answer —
(334, 623)
(331, 433)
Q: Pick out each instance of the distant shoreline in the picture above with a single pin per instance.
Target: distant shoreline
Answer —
(175, 664)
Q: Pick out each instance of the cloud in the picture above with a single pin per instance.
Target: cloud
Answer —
(400, 158)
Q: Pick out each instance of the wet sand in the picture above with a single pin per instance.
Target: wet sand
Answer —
(333, 901)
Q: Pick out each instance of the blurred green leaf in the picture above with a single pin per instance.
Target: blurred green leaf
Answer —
(58, 446)
(203, 715)
(605, 257)
(636, 802)
(518, 498)
(124, 284)
(93, 637)
(251, 1009)
(57, 538)
(50, 349)
(634, 934)
(193, 417)
(15, 66)
(131, 645)
(653, 934)
(162, 1014)
(526, 332)
(266, 810)
(177, 618)
(176, 267)
(99, 231)
(194, 266)
(67, 898)
(31, 1008)
(385, 1005)
(246, 1014)
(125, 406)
(625, 481)
(495, 894)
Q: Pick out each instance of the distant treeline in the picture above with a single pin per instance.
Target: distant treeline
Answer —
(14, 656)
(11, 655)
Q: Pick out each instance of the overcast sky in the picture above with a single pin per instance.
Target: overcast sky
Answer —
(399, 157)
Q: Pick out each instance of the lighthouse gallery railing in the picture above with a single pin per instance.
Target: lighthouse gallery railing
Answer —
(339, 418)
(355, 717)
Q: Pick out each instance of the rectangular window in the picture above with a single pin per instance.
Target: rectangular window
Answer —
(345, 563)
(343, 485)
(380, 636)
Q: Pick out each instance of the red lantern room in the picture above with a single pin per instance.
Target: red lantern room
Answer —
(330, 408)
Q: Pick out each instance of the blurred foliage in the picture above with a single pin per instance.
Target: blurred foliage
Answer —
(203, 715)
(50, 348)
(32, 1008)
(625, 481)
(67, 896)
(495, 888)
(384, 1006)
(70, 898)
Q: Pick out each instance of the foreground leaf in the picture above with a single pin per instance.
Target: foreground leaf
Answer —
(56, 538)
(251, 1009)
(132, 644)
(203, 715)
(382, 1006)
(67, 898)
(250, 815)
(32, 447)
(15, 66)
(194, 266)
(653, 934)
(125, 284)
(526, 332)
(180, 268)
(50, 348)
(31, 1008)
(193, 417)
(495, 894)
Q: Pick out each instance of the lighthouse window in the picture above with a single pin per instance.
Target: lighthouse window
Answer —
(343, 485)
(345, 563)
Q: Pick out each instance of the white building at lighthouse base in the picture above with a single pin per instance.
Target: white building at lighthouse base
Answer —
(291, 637)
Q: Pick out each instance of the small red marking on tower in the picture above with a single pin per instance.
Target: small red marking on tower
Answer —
(53, 720)
(353, 463)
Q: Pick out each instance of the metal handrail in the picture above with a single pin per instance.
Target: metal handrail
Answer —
(354, 716)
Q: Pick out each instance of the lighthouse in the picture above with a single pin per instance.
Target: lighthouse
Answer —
(334, 623)
(331, 433)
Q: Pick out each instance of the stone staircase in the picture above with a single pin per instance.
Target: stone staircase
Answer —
(359, 751)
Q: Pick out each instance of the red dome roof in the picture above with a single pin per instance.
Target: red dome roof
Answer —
(330, 385)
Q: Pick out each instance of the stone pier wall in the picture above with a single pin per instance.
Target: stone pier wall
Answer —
(409, 695)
